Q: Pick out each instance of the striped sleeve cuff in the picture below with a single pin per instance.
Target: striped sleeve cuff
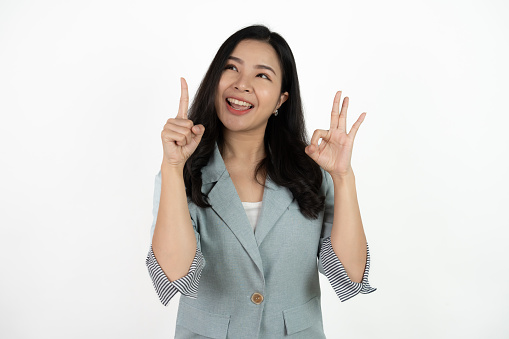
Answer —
(335, 272)
(187, 285)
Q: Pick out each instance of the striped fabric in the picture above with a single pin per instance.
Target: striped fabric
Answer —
(338, 278)
(187, 285)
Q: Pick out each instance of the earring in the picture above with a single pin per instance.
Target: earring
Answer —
(275, 113)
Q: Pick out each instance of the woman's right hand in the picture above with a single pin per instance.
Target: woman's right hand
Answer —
(180, 136)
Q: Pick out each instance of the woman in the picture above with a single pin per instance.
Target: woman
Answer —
(243, 206)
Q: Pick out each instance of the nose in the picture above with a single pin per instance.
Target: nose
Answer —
(242, 89)
(243, 84)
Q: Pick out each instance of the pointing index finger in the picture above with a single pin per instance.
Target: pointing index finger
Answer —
(184, 99)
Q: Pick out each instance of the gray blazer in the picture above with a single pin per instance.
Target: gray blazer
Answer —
(261, 284)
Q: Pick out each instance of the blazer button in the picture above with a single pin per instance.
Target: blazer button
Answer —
(257, 298)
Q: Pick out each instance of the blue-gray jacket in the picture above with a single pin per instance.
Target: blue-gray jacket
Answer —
(262, 284)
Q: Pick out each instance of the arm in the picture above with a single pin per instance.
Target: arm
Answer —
(329, 263)
(174, 243)
(347, 243)
(175, 261)
(188, 284)
(347, 236)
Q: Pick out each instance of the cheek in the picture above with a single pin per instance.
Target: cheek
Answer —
(219, 92)
(223, 84)
(270, 96)
(227, 78)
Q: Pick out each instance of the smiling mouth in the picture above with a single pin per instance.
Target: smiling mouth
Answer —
(238, 105)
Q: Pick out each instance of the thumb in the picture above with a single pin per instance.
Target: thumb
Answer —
(311, 151)
(198, 130)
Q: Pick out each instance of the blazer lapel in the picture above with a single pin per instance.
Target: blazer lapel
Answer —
(276, 200)
(226, 203)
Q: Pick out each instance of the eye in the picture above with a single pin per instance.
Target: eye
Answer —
(230, 66)
(264, 76)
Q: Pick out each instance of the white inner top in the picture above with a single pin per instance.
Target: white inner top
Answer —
(253, 211)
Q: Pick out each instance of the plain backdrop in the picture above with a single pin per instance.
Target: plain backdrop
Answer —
(87, 86)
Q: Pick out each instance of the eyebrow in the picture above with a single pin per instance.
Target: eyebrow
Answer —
(240, 61)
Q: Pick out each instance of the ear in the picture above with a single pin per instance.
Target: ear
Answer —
(282, 99)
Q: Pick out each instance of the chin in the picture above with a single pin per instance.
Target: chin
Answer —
(233, 127)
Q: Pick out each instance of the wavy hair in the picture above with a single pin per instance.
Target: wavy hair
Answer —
(285, 138)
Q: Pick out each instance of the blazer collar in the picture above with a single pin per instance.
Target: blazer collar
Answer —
(215, 168)
(226, 203)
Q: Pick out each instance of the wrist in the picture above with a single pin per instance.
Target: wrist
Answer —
(172, 168)
(345, 176)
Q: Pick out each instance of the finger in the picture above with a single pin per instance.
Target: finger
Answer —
(184, 99)
(180, 122)
(311, 152)
(342, 115)
(171, 136)
(187, 132)
(317, 134)
(355, 127)
(334, 119)
(313, 149)
(198, 132)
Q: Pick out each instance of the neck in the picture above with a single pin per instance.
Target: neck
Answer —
(245, 148)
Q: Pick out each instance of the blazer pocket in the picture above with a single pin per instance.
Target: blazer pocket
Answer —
(202, 322)
(301, 317)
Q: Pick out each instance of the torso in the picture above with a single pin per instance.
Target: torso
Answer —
(247, 188)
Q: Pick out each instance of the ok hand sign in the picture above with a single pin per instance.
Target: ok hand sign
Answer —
(180, 136)
(334, 153)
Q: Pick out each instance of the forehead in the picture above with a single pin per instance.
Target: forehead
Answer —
(256, 52)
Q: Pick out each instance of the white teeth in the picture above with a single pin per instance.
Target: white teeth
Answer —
(238, 102)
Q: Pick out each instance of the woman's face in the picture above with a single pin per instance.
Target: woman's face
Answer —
(249, 90)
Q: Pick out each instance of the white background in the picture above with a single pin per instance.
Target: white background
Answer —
(86, 88)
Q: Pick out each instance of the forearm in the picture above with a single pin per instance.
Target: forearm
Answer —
(347, 237)
(173, 242)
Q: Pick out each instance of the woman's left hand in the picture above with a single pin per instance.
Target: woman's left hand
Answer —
(334, 153)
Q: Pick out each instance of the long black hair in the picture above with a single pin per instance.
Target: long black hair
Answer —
(285, 138)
